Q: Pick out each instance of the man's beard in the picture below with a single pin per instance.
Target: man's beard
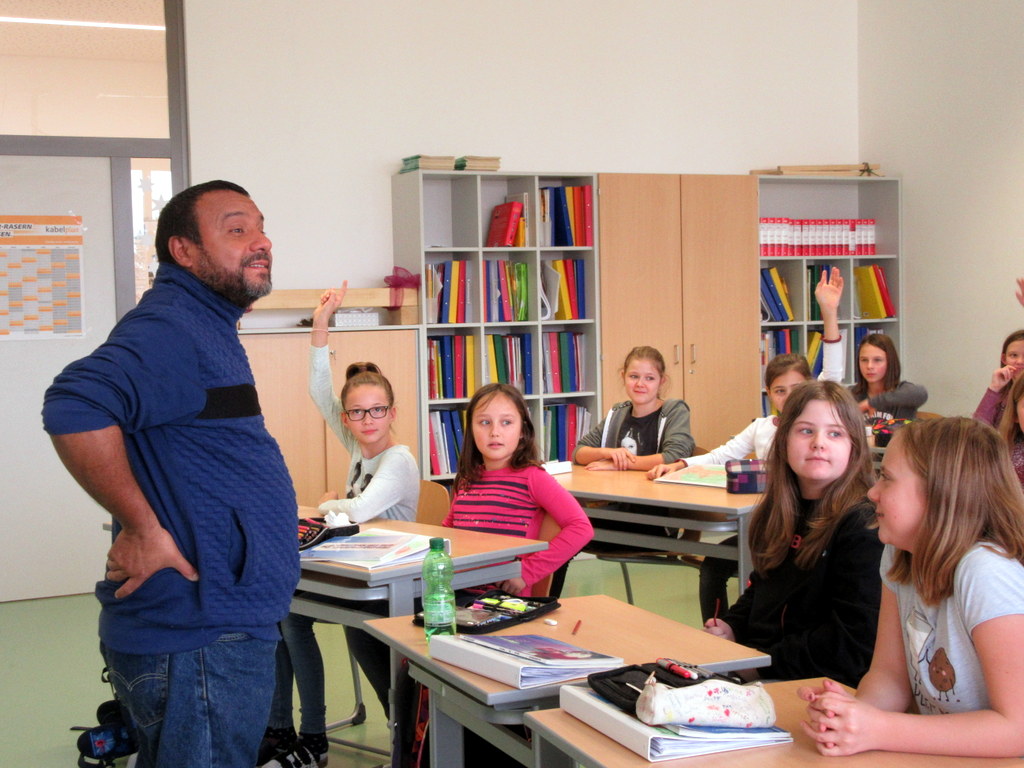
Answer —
(233, 285)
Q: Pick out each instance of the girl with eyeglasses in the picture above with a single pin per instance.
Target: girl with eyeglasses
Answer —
(383, 482)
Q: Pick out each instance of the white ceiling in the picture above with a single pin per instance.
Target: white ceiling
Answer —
(83, 42)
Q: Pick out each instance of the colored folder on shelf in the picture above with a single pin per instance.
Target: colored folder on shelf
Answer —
(504, 220)
(870, 295)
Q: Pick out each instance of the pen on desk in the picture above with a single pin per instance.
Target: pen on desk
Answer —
(577, 627)
(718, 603)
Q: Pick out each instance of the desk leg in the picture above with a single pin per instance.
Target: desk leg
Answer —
(447, 738)
(745, 563)
(547, 755)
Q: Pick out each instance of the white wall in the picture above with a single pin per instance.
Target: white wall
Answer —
(942, 104)
(312, 105)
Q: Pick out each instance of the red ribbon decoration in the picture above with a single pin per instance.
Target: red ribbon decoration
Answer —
(400, 278)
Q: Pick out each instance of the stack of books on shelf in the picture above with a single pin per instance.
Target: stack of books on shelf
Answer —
(477, 163)
(522, 661)
(428, 163)
(873, 297)
(451, 366)
(564, 425)
(566, 217)
(510, 360)
(777, 342)
(563, 354)
(449, 298)
(447, 427)
(782, 236)
(852, 169)
(775, 297)
(507, 288)
(564, 289)
(508, 225)
(665, 742)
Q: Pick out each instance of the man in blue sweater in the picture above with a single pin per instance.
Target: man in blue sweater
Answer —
(161, 425)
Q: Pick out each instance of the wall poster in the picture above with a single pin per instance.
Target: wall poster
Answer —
(40, 277)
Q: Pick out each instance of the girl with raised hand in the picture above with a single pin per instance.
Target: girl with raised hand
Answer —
(951, 514)
(383, 482)
(812, 602)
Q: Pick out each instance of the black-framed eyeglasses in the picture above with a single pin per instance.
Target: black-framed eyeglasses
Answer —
(377, 412)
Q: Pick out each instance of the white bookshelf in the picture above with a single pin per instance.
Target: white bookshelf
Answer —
(814, 197)
(441, 216)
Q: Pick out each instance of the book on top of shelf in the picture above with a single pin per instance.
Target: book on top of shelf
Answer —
(504, 220)
(656, 743)
(516, 669)
(712, 475)
(428, 163)
(477, 163)
(372, 548)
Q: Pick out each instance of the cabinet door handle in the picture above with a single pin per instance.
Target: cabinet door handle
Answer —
(693, 354)
(678, 353)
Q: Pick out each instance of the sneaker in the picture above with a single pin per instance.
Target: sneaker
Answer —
(297, 757)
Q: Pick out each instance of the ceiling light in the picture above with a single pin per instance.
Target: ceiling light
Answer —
(68, 23)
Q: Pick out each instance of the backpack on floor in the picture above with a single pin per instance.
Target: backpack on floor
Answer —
(114, 737)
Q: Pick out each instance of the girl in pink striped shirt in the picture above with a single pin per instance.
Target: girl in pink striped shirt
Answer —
(502, 488)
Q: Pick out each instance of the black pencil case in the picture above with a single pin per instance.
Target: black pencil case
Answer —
(494, 611)
(313, 531)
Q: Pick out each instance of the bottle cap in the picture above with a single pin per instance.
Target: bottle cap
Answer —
(437, 543)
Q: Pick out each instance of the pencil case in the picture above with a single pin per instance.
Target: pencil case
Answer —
(622, 686)
(313, 531)
(478, 614)
(745, 476)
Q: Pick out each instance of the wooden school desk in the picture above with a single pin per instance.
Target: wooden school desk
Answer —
(462, 699)
(479, 558)
(693, 507)
(561, 741)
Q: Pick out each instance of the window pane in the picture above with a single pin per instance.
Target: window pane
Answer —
(151, 189)
(63, 80)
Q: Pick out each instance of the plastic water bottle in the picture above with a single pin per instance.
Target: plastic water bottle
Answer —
(438, 595)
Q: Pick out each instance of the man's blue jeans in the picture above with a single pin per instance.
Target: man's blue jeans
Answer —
(198, 709)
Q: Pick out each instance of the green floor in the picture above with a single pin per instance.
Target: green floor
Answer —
(50, 664)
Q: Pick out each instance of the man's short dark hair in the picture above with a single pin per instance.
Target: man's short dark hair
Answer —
(178, 217)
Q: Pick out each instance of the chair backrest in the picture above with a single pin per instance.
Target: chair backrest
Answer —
(548, 530)
(698, 451)
(434, 503)
(928, 415)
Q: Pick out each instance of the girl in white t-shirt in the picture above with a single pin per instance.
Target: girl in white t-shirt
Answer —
(951, 514)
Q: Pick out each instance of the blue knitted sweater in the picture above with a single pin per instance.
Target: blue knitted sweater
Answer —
(175, 378)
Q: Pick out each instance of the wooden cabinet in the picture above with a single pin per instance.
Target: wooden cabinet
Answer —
(678, 259)
(280, 364)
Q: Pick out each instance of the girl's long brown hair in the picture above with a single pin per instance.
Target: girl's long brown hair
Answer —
(1009, 425)
(972, 495)
(471, 461)
(773, 523)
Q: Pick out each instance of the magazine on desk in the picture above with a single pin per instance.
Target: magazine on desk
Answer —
(372, 548)
(712, 475)
(522, 661)
(656, 743)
